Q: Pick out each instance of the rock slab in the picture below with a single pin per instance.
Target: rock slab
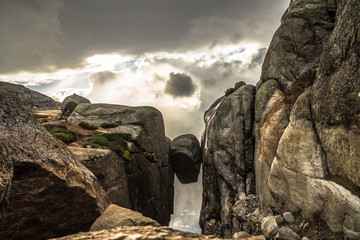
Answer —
(138, 233)
(51, 194)
(150, 176)
(115, 216)
(29, 99)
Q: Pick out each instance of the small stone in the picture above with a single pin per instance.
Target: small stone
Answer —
(286, 233)
(305, 238)
(269, 227)
(288, 217)
(279, 219)
(256, 212)
(241, 235)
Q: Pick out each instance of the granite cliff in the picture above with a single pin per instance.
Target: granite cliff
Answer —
(305, 123)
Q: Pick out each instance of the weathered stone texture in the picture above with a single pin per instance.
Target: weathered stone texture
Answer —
(228, 147)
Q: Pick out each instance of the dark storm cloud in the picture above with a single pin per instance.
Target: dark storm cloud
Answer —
(43, 35)
(180, 85)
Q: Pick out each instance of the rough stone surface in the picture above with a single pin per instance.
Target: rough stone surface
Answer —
(309, 163)
(241, 235)
(185, 157)
(30, 100)
(288, 217)
(51, 193)
(289, 68)
(115, 216)
(138, 233)
(286, 233)
(70, 102)
(269, 227)
(6, 174)
(245, 213)
(228, 171)
(109, 169)
(150, 176)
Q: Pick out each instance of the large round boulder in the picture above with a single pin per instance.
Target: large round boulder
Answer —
(185, 155)
(70, 103)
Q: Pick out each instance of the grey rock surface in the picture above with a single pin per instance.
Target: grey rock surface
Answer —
(228, 171)
(150, 176)
(109, 169)
(6, 174)
(52, 194)
(185, 157)
(288, 217)
(286, 233)
(70, 102)
(311, 165)
(289, 68)
(269, 227)
(115, 216)
(29, 99)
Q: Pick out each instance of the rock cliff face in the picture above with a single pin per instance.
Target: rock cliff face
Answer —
(289, 68)
(309, 163)
(29, 99)
(306, 123)
(150, 177)
(51, 193)
(228, 171)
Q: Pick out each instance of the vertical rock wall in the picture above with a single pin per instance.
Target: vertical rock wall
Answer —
(289, 68)
(228, 146)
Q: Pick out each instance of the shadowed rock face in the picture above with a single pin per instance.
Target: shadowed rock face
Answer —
(150, 177)
(6, 174)
(185, 156)
(51, 193)
(29, 99)
(309, 163)
(228, 171)
(109, 169)
(138, 233)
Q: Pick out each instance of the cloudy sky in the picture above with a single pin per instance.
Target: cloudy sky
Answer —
(176, 55)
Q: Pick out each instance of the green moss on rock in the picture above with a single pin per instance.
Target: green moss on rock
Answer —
(112, 141)
(87, 126)
(61, 132)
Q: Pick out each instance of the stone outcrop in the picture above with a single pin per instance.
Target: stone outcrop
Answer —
(185, 156)
(138, 233)
(30, 100)
(289, 68)
(228, 171)
(51, 193)
(70, 102)
(115, 216)
(150, 177)
(6, 174)
(309, 163)
(109, 169)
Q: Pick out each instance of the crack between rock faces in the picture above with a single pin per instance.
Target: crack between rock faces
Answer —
(327, 172)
